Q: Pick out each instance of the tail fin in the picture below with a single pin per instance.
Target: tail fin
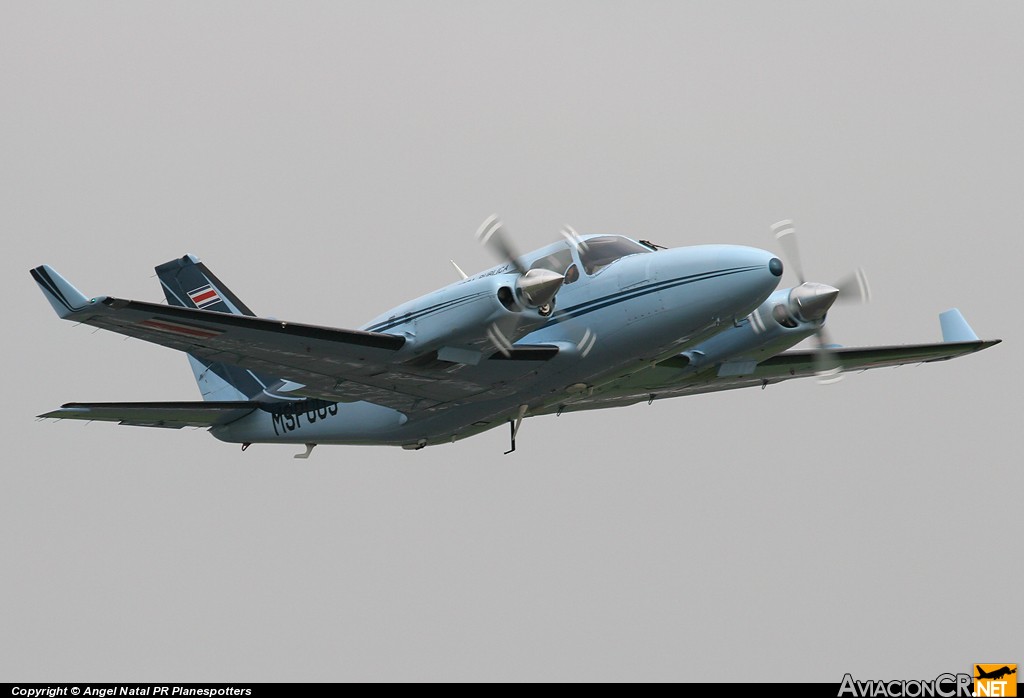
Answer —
(188, 283)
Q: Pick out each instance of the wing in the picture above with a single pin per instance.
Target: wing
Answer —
(671, 378)
(171, 415)
(336, 365)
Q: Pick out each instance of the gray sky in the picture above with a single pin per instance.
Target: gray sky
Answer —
(326, 160)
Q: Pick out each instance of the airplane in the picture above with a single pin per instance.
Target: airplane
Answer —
(588, 322)
(996, 674)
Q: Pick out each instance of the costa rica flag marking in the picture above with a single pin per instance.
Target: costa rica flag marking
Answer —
(204, 296)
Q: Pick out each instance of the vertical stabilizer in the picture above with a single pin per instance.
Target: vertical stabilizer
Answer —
(188, 283)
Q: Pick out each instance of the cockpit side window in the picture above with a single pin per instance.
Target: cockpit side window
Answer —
(602, 251)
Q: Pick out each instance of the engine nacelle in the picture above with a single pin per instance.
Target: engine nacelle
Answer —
(770, 329)
(467, 316)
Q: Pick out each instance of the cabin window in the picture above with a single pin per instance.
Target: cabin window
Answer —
(602, 251)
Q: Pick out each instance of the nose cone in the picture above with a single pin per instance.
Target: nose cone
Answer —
(765, 269)
(539, 286)
(811, 301)
(723, 280)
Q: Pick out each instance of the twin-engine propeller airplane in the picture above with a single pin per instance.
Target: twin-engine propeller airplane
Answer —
(588, 322)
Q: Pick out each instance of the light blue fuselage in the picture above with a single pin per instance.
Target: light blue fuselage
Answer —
(619, 320)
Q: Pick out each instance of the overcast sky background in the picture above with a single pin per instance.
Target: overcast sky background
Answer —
(327, 159)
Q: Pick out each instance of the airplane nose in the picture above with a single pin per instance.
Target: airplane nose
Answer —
(812, 300)
(725, 281)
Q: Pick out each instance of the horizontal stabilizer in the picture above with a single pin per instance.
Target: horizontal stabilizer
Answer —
(65, 298)
(955, 327)
(169, 415)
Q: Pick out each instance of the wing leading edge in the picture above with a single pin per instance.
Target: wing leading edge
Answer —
(671, 378)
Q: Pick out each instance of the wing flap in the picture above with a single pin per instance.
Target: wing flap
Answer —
(168, 415)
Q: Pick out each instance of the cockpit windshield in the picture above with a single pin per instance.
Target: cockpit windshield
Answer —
(559, 262)
(556, 261)
(602, 251)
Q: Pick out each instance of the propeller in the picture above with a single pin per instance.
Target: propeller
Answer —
(810, 301)
(589, 338)
(573, 238)
(492, 234)
(534, 288)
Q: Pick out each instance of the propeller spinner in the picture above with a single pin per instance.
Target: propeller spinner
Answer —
(810, 301)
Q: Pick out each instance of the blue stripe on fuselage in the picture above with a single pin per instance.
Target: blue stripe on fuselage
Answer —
(408, 317)
(574, 311)
(619, 297)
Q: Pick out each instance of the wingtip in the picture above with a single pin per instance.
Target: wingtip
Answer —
(955, 327)
(61, 293)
